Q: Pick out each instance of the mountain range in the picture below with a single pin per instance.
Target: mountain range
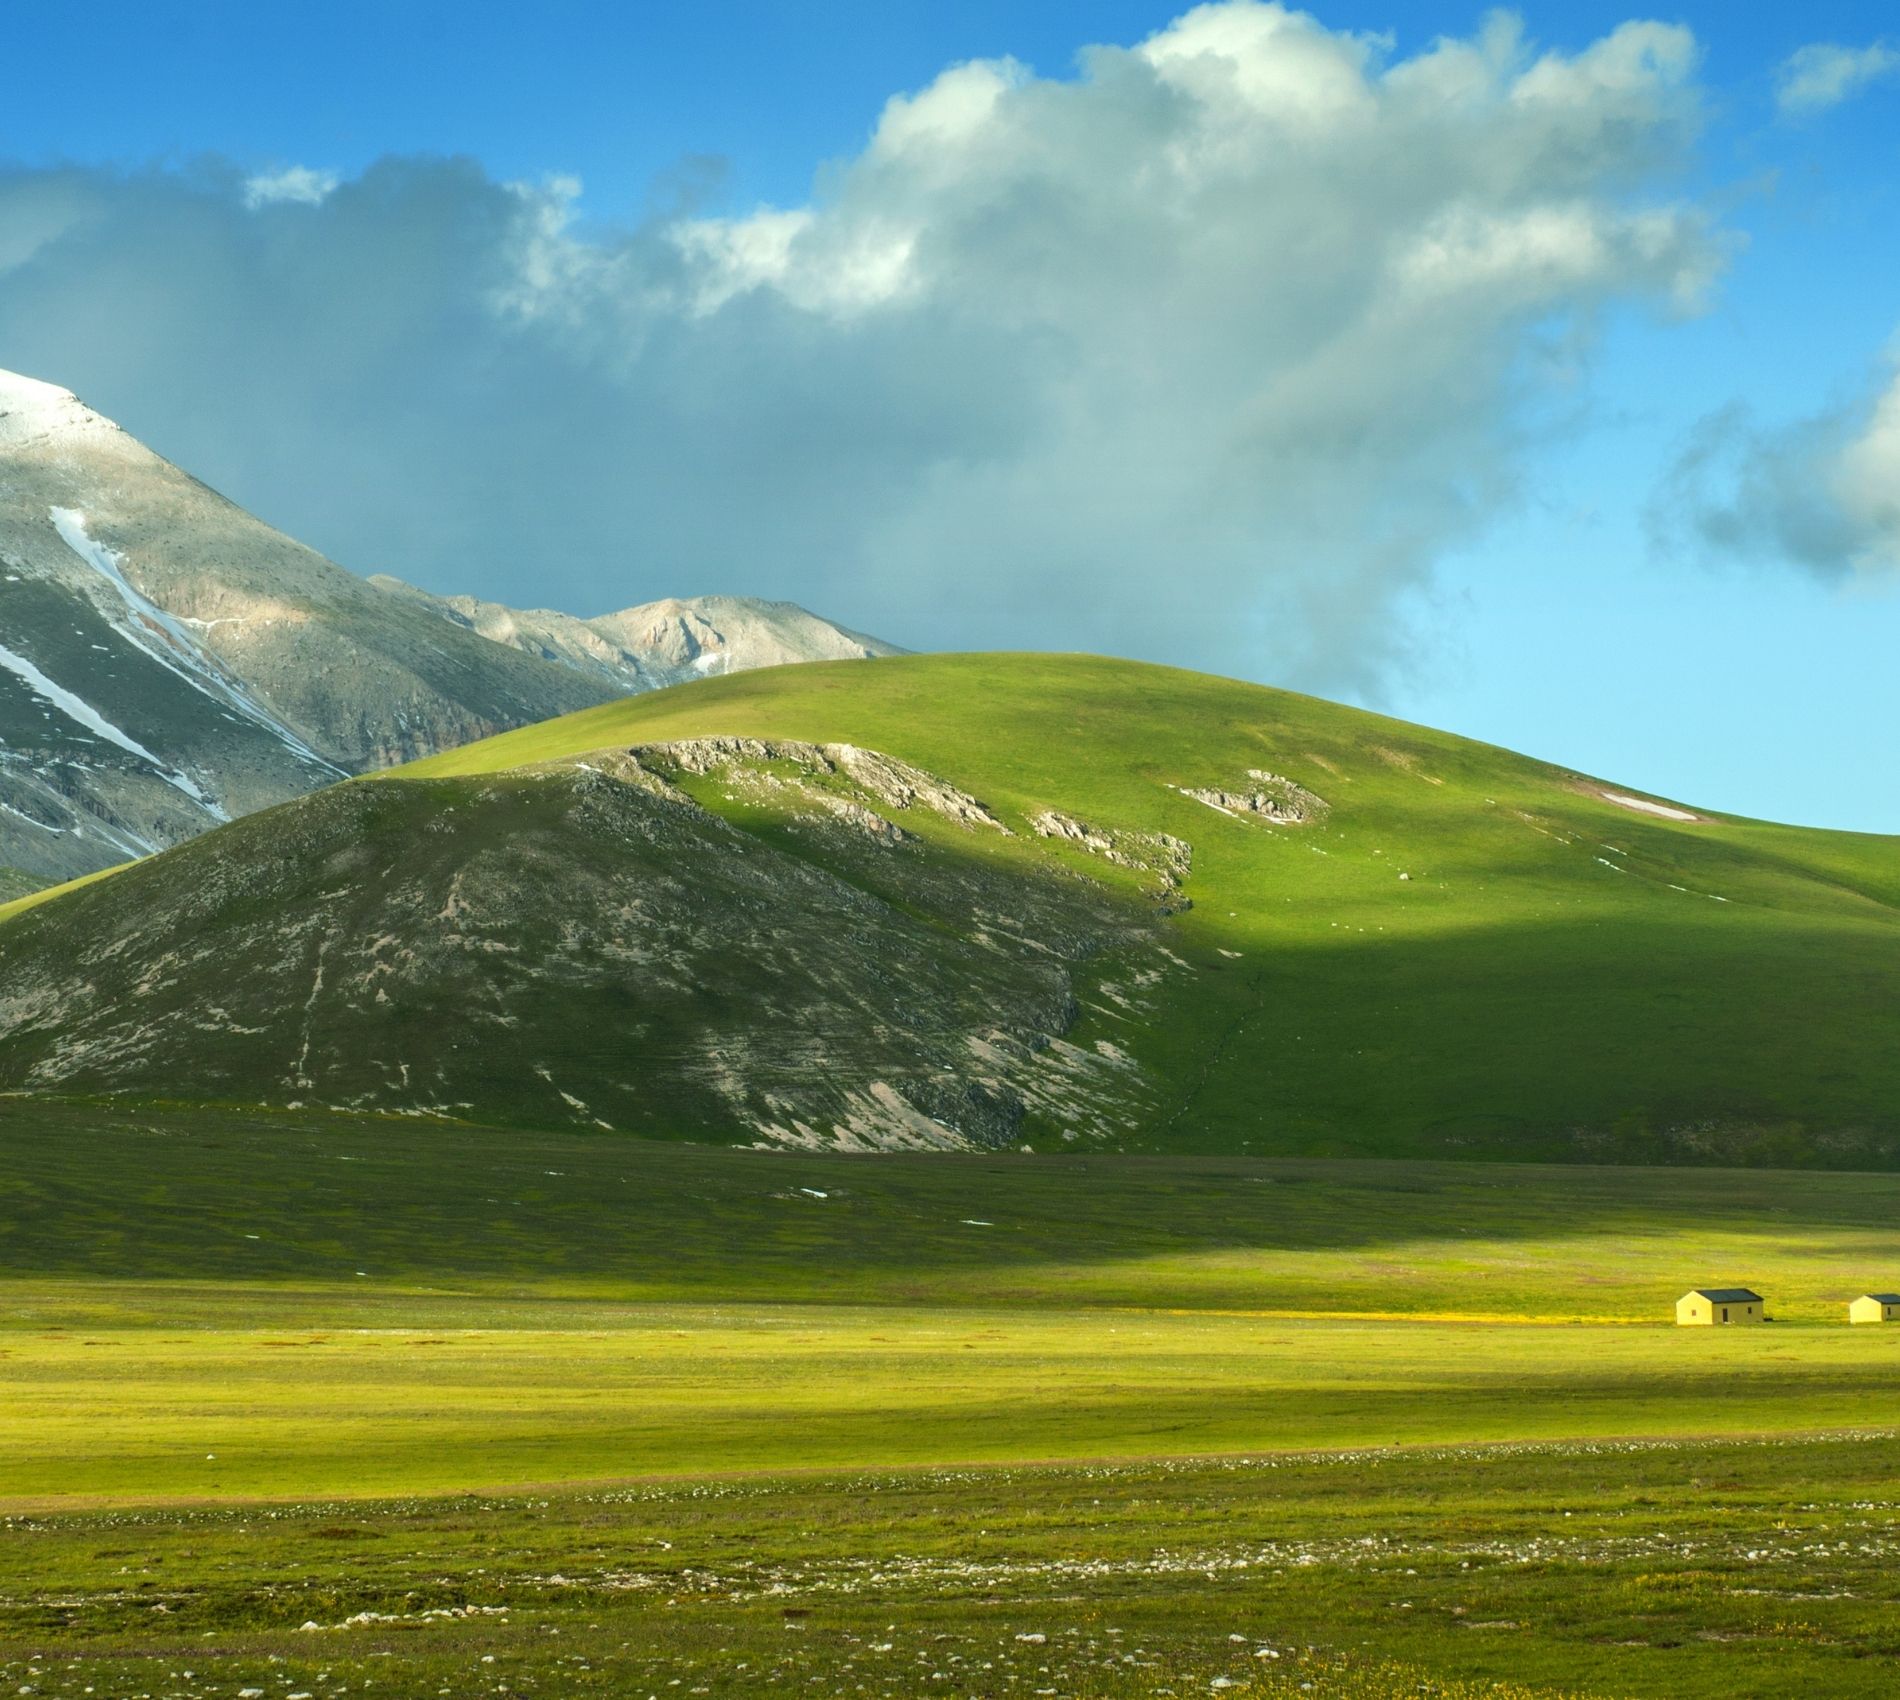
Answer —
(169, 662)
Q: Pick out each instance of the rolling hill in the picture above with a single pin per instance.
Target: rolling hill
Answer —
(957, 901)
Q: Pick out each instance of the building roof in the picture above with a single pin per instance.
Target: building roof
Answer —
(1726, 1295)
(1883, 1298)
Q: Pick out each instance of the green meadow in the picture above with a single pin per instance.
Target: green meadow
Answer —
(1639, 1568)
(324, 1405)
(208, 1202)
(1558, 976)
(480, 1395)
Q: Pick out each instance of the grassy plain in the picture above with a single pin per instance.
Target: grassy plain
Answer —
(472, 1395)
(1667, 1569)
(274, 1204)
(604, 1417)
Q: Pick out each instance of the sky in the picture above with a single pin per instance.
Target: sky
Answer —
(1530, 374)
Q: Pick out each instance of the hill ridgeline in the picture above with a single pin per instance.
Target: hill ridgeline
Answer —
(992, 901)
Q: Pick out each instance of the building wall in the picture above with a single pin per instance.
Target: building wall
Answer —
(1871, 1310)
(1695, 1311)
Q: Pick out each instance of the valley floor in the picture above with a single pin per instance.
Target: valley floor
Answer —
(246, 1394)
(597, 1417)
(1652, 1568)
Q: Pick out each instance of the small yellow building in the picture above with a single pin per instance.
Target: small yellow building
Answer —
(1717, 1305)
(1875, 1307)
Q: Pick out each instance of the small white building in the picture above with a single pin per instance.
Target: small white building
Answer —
(1717, 1305)
(1875, 1307)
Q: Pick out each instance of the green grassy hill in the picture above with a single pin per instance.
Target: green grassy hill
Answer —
(1363, 937)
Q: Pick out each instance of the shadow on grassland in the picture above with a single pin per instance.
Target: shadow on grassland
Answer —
(228, 1195)
(1637, 1037)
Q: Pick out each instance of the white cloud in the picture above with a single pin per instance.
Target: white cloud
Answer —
(1206, 354)
(297, 184)
(1866, 484)
(951, 111)
(1824, 74)
(1264, 65)
(1822, 493)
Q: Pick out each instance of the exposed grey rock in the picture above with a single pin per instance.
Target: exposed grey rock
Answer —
(1272, 797)
(171, 662)
(1152, 852)
(895, 783)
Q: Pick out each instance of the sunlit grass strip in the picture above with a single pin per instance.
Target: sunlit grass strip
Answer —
(643, 1390)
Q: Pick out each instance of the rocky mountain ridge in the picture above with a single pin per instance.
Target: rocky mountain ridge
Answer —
(169, 662)
(660, 643)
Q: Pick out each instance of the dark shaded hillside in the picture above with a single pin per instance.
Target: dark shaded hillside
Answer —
(585, 945)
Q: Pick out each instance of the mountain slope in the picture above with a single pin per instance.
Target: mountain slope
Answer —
(170, 661)
(167, 661)
(946, 900)
(658, 643)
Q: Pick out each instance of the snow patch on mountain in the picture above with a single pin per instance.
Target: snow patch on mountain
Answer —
(31, 410)
(182, 654)
(77, 709)
(37, 825)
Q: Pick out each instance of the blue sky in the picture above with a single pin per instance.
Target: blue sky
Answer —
(1540, 561)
